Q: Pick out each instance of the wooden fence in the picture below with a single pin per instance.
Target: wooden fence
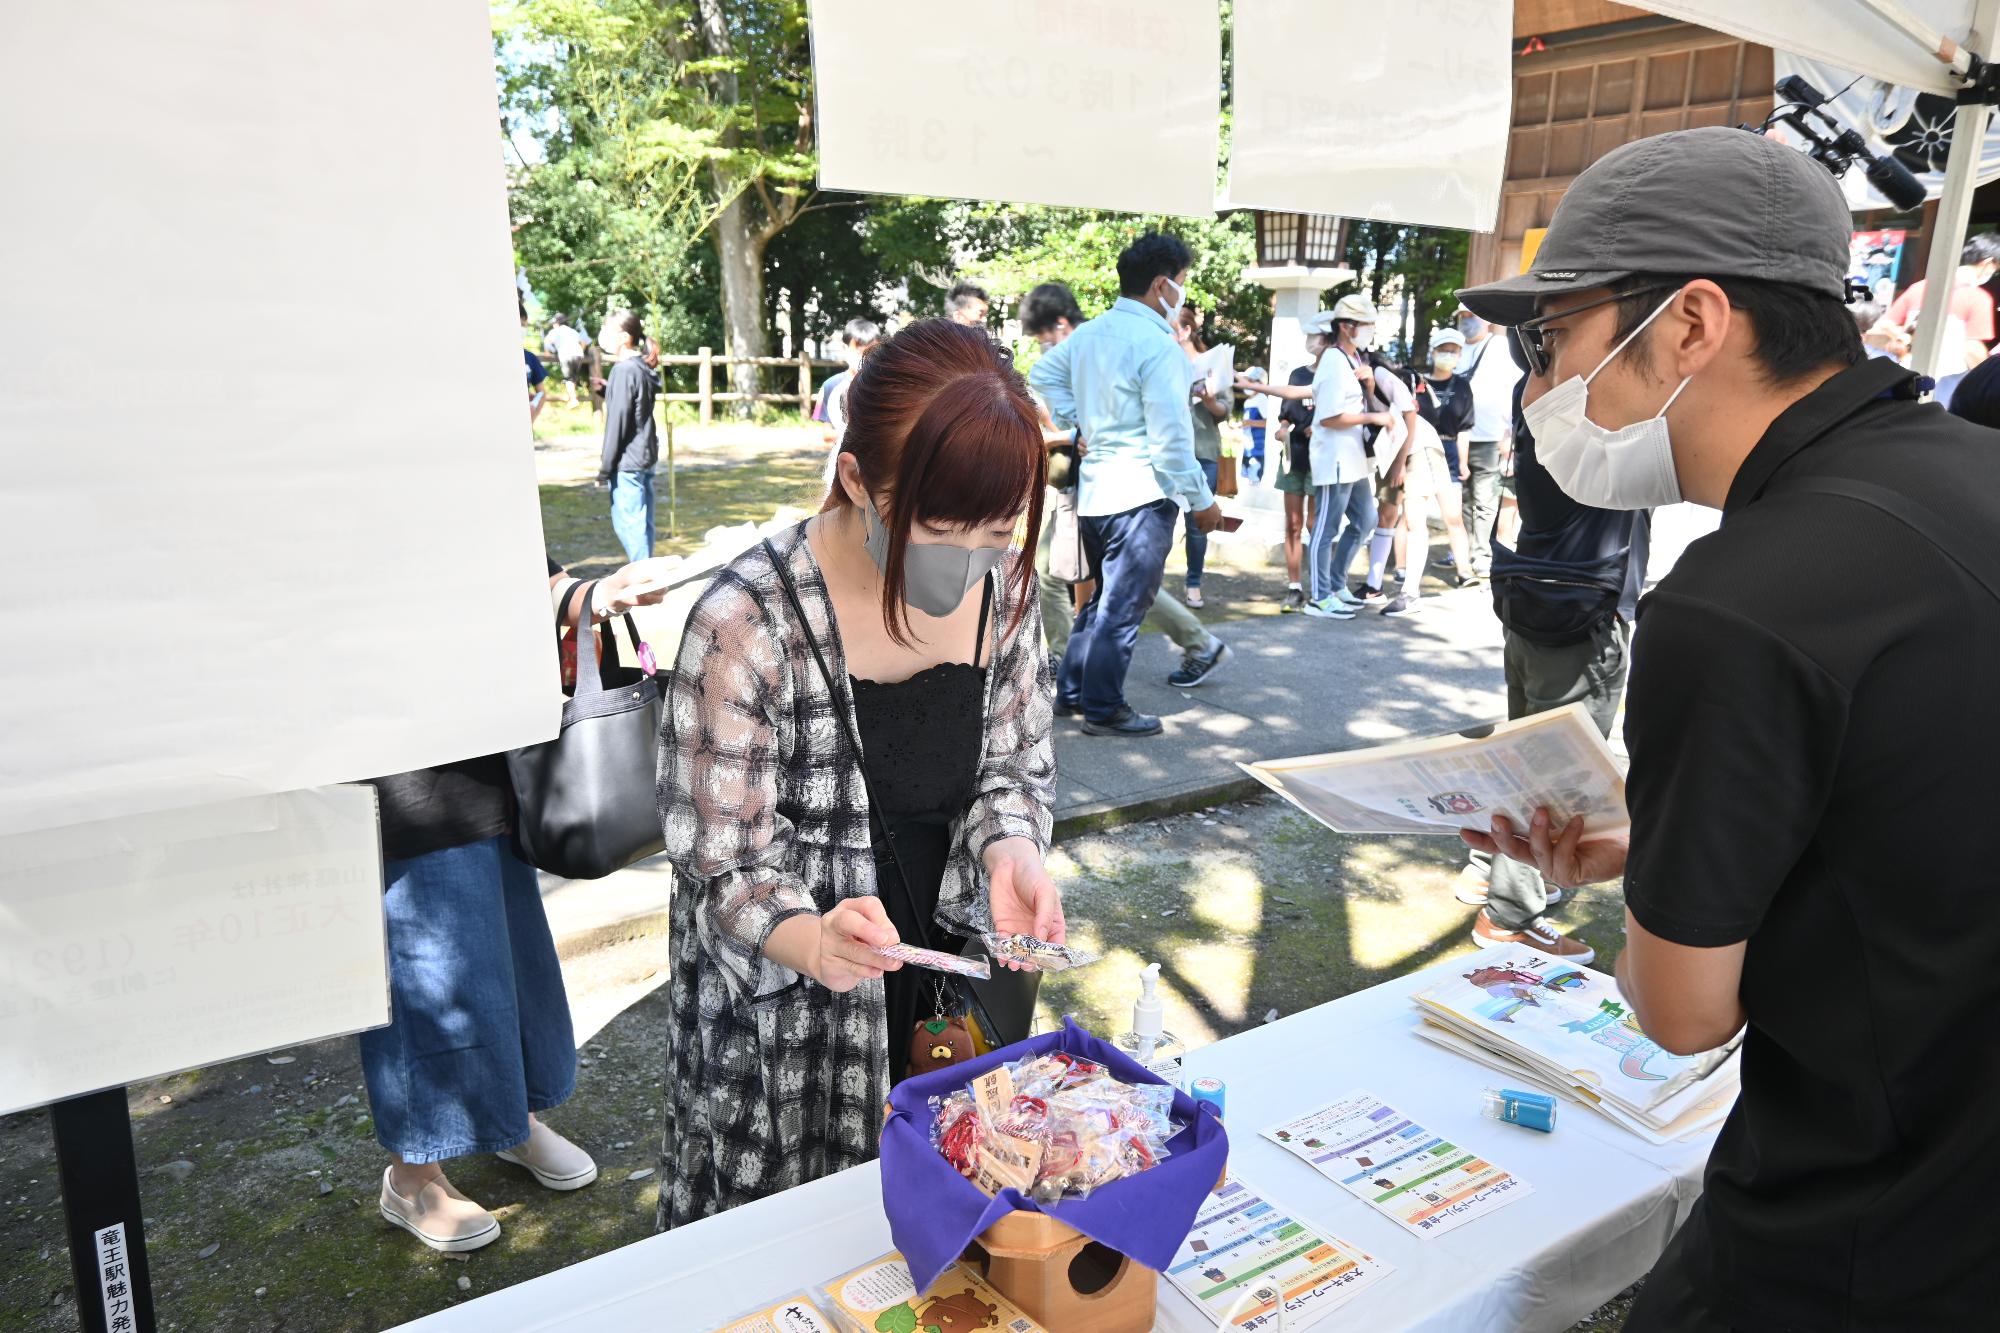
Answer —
(705, 394)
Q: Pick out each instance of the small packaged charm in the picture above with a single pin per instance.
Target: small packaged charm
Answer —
(1036, 955)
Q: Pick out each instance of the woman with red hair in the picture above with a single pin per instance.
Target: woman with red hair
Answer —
(855, 752)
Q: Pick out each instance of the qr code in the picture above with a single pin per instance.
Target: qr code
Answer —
(1022, 1325)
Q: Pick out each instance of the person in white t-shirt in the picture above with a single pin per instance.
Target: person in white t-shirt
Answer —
(569, 349)
(1343, 480)
(1391, 460)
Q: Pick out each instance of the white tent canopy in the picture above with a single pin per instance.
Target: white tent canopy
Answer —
(1924, 44)
(1875, 37)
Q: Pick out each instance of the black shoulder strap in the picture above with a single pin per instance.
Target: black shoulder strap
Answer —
(840, 706)
(1975, 558)
(985, 608)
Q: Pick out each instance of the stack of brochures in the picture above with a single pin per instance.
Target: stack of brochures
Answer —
(1566, 1029)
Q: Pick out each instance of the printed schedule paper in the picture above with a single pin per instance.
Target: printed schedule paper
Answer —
(140, 946)
(1242, 1244)
(1426, 1183)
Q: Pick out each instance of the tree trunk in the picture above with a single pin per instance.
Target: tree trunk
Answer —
(741, 250)
(739, 234)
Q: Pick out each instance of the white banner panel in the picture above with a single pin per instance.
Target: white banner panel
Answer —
(140, 946)
(269, 500)
(1839, 32)
(1342, 107)
(1089, 103)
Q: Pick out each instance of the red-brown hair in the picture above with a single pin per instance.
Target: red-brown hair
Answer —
(937, 413)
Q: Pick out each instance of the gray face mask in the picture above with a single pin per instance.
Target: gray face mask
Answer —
(936, 576)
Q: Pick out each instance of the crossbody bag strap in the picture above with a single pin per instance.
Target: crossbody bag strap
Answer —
(1975, 559)
(847, 729)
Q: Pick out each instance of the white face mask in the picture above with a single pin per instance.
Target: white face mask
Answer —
(1628, 468)
(1173, 310)
(1364, 337)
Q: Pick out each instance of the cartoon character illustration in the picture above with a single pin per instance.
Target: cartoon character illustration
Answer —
(1513, 988)
(1459, 803)
(959, 1312)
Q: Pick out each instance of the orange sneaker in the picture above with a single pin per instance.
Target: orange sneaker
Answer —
(1538, 935)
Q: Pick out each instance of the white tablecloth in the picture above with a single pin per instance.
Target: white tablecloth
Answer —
(1604, 1204)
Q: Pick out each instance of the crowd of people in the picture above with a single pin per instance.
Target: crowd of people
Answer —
(857, 746)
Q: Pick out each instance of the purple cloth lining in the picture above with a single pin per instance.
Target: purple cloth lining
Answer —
(934, 1212)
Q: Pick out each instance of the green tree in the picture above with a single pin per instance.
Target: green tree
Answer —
(1426, 266)
(604, 213)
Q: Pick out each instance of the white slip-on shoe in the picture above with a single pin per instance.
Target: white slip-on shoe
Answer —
(552, 1159)
(440, 1217)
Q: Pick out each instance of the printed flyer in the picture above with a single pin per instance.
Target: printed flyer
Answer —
(1380, 1155)
(1242, 1244)
(797, 1315)
(882, 1298)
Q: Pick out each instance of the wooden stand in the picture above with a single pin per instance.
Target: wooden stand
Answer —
(1064, 1280)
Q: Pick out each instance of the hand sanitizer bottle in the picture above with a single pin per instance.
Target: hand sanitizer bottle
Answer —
(1147, 1042)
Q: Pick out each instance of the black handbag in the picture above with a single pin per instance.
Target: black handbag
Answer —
(1001, 1009)
(586, 800)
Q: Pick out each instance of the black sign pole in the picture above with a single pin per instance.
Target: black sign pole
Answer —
(100, 1188)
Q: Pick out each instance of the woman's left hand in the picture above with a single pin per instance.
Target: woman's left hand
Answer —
(1024, 898)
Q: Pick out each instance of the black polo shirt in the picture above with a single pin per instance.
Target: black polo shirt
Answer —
(1814, 725)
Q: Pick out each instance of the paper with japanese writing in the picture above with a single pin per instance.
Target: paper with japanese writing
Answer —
(136, 947)
(1426, 1183)
(294, 571)
(1110, 104)
(1557, 760)
(1242, 1242)
(799, 1314)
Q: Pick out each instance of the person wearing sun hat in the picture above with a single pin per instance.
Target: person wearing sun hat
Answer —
(1805, 721)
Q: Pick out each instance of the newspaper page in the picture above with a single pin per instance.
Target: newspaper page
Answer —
(1461, 781)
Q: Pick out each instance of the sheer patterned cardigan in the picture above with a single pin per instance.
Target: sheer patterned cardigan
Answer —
(772, 1080)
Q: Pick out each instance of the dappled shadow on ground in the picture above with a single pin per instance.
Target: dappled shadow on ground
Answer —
(576, 516)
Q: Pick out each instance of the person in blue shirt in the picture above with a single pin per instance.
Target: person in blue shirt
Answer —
(1123, 381)
(1254, 423)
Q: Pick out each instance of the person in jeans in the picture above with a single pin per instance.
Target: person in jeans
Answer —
(1571, 543)
(1049, 314)
(1122, 380)
(1343, 480)
(1493, 375)
(479, 1042)
(1206, 414)
(631, 440)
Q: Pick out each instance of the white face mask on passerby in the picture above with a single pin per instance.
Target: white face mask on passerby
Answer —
(1628, 468)
(1173, 311)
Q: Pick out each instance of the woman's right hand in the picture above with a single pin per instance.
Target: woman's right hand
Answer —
(848, 936)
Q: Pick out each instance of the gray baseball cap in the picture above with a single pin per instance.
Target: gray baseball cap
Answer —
(1713, 202)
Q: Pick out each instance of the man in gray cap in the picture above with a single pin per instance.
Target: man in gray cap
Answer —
(1811, 731)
